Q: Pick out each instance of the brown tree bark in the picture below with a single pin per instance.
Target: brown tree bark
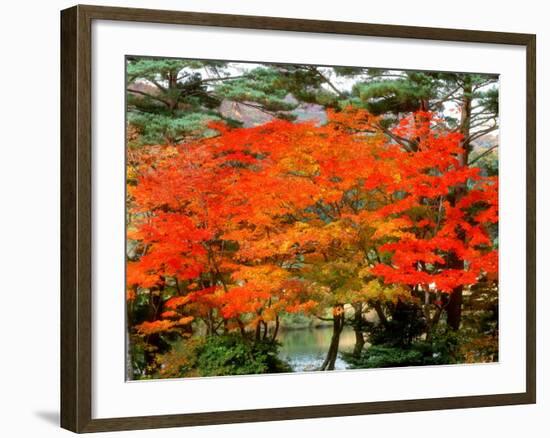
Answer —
(276, 329)
(337, 327)
(357, 327)
(454, 306)
(454, 309)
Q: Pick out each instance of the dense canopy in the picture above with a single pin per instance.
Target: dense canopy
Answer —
(380, 216)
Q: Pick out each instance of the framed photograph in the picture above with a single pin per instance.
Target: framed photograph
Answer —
(270, 218)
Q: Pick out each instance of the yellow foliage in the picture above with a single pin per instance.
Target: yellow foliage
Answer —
(375, 290)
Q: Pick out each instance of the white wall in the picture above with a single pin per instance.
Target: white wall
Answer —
(29, 220)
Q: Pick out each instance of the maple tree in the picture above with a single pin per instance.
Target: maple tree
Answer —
(443, 227)
(237, 229)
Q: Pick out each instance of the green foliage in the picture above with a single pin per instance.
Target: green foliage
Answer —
(261, 86)
(396, 96)
(138, 357)
(489, 99)
(168, 99)
(163, 128)
(349, 71)
(487, 162)
(305, 83)
(221, 355)
(340, 276)
(381, 356)
(156, 68)
(234, 355)
(480, 323)
(442, 349)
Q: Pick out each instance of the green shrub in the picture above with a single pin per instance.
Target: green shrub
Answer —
(381, 356)
(234, 355)
(442, 349)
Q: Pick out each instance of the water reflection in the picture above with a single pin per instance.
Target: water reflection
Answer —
(305, 349)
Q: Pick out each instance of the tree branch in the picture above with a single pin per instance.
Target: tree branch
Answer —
(446, 97)
(409, 145)
(150, 96)
(158, 85)
(322, 318)
(258, 107)
(479, 134)
(487, 152)
(227, 78)
(328, 82)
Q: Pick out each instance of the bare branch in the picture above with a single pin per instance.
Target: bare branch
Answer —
(447, 96)
(151, 96)
(328, 82)
(158, 85)
(479, 134)
(322, 318)
(487, 152)
(226, 78)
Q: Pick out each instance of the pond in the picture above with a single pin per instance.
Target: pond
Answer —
(306, 349)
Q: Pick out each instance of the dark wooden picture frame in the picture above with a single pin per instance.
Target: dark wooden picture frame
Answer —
(76, 218)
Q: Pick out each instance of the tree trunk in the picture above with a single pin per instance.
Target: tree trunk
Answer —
(454, 306)
(172, 87)
(241, 327)
(276, 329)
(210, 323)
(337, 326)
(454, 309)
(431, 321)
(358, 328)
(377, 305)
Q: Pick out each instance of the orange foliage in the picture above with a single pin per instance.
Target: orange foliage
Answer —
(237, 217)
